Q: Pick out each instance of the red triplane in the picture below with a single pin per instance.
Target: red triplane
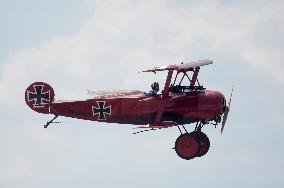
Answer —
(177, 105)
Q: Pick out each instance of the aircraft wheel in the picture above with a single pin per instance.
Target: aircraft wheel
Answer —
(204, 143)
(187, 146)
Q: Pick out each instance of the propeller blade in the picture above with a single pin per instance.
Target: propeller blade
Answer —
(225, 118)
(227, 110)
(231, 96)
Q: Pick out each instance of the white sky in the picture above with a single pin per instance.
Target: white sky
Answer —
(75, 45)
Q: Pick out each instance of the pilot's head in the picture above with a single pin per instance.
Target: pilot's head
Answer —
(155, 86)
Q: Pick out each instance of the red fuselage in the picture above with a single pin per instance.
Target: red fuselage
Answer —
(141, 109)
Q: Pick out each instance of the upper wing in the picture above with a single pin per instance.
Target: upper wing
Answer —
(162, 68)
(193, 64)
(181, 67)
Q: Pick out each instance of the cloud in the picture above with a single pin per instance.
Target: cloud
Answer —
(121, 38)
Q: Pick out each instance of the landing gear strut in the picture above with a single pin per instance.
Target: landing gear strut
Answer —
(191, 145)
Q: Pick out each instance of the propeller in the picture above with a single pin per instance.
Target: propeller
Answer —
(227, 109)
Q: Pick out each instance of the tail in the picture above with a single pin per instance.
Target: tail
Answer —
(38, 96)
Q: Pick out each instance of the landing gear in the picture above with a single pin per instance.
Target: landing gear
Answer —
(191, 145)
(187, 146)
(204, 143)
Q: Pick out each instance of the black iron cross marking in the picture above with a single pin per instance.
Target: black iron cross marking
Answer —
(38, 96)
(101, 110)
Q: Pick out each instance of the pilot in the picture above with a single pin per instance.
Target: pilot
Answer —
(155, 89)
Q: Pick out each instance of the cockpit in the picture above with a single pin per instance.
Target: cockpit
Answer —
(183, 83)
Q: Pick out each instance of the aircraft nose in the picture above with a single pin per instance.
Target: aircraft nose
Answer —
(213, 104)
(221, 102)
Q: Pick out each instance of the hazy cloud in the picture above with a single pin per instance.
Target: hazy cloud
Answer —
(123, 37)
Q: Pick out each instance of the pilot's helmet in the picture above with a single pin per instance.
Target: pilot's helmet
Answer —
(155, 85)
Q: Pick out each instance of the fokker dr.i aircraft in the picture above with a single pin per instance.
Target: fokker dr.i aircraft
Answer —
(177, 105)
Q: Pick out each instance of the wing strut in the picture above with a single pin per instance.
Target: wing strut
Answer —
(194, 77)
(168, 82)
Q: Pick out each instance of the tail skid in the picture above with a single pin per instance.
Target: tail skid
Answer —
(51, 121)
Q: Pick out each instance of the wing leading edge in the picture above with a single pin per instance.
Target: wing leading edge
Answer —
(181, 67)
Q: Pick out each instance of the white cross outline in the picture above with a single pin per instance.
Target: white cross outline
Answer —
(41, 105)
(99, 108)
